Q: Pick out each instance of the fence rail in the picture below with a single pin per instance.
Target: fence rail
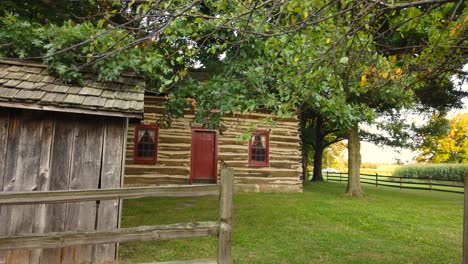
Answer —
(141, 233)
(402, 182)
(222, 229)
(46, 197)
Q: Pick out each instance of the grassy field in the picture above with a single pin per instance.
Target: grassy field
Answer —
(317, 226)
(381, 169)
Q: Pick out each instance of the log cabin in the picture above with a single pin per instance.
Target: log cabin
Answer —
(184, 153)
(56, 136)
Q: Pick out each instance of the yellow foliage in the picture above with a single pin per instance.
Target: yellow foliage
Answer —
(398, 71)
(451, 148)
(363, 81)
(293, 19)
(454, 30)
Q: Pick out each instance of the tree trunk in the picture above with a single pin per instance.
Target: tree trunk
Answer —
(305, 161)
(305, 145)
(318, 163)
(354, 163)
(318, 154)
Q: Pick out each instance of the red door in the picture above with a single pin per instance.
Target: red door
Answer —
(204, 156)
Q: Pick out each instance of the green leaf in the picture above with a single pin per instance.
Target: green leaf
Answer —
(344, 60)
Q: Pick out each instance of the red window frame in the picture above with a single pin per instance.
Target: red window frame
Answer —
(255, 163)
(145, 160)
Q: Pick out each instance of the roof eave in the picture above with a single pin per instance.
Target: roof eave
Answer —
(73, 110)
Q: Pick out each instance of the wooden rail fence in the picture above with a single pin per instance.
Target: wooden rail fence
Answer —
(222, 229)
(465, 223)
(402, 182)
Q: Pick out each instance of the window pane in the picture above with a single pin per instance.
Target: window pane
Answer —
(146, 135)
(259, 140)
(146, 143)
(258, 148)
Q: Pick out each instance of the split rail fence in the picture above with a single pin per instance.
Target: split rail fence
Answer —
(221, 228)
(402, 182)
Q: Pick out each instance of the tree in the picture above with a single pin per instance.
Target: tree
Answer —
(318, 133)
(334, 156)
(451, 147)
(411, 77)
(346, 60)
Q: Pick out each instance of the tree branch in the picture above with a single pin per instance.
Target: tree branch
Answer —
(412, 4)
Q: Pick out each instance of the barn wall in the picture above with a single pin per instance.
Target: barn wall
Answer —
(173, 165)
(42, 151)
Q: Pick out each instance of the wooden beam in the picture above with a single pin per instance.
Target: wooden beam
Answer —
(141, 233)
(11, 198)
(465, 223)
(226, 205)
(20, 62)
(69, 109)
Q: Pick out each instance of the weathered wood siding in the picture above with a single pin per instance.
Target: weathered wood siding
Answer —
(173, 165)
(42, 151)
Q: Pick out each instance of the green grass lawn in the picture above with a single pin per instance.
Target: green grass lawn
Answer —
(317, 226)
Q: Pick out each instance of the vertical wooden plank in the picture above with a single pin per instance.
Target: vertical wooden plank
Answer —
(122, 179)
(111, 171)
(11, 158)
(27, 170)
(4, 121)
(226, 205)
(59, 176)
(86, 166)
(43, 181)
(4, 124)
(465, 224)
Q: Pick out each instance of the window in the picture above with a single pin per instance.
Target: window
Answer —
(259, 149)
(146, 144)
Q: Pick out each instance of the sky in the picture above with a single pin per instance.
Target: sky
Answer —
(386, 155)
(374, 154)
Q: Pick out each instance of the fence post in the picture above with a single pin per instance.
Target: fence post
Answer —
(376, 179)
(225, 227)
(340, 177)
(326, 173)
(465, 224)
(400, 182)
(430, 183)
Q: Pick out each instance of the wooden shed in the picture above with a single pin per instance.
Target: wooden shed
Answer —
(55, 136)
(186, 153)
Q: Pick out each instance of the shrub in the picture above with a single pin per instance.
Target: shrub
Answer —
(454, 172)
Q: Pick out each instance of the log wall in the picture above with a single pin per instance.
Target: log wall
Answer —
(41, 151)
(173, 163)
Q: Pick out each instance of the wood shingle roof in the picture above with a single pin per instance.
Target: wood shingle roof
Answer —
(29, 85)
